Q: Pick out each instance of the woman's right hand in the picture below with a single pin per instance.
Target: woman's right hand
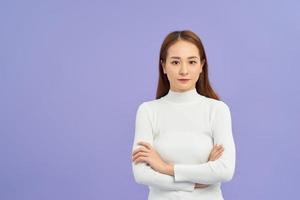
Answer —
(215, 153)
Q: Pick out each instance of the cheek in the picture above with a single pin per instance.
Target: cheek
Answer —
(196, 72)
(172, 74)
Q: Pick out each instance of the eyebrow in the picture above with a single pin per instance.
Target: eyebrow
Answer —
(188, 57)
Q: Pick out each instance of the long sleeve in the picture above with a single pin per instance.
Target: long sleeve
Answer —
(143, 173)
(223, 168)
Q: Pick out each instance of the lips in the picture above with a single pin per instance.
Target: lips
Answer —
(183, 80)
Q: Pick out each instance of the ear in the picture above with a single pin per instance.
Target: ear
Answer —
(163, 66)
(202, 63)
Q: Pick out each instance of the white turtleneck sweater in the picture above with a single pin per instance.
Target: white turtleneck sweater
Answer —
(183, 127)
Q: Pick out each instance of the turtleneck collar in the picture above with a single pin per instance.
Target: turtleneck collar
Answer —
(182, 97)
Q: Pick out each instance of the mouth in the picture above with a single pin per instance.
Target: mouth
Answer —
(183, 80)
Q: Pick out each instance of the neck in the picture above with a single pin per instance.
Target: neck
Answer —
(182, 97)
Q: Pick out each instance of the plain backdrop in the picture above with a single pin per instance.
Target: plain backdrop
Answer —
(72, 74)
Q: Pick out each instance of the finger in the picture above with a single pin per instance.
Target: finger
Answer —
(140, 149)
(201, 186)
(146, 144)
(218, 147)
(219, 155)
(215, 148)
(136, 150)
(141, 159)
(215, 154)
(139, 154)
(218, 151)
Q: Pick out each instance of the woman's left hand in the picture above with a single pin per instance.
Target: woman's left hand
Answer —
(146, 153)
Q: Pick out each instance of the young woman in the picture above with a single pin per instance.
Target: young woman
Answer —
(183, 145)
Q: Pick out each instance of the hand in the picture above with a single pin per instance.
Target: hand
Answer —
(146, 153)
(198, 185)
(216, 152)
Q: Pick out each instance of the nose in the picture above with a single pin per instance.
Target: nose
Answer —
(183, 69)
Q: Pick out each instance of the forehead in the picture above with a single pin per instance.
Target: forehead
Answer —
(183, 49)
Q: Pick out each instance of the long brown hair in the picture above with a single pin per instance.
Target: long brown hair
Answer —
(203, 86)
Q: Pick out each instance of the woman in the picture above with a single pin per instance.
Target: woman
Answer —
(183, 146)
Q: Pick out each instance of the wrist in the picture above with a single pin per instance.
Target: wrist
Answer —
(169, 169)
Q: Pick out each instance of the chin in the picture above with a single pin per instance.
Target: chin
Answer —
(184, 86)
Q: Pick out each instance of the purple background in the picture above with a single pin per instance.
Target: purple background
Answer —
(72, 74)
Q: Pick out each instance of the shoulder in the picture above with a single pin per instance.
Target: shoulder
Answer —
(217, 108)
(216, 104)
(221, 105)
(148, 109)
(220, 111)
(150, 104)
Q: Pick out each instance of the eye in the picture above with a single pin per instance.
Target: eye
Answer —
(193, 61)
(173, 62)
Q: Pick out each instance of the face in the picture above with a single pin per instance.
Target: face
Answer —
(183, 66)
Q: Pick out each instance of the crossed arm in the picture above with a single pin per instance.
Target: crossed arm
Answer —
(185, 176)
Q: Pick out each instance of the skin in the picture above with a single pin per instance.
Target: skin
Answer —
(183, 61)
